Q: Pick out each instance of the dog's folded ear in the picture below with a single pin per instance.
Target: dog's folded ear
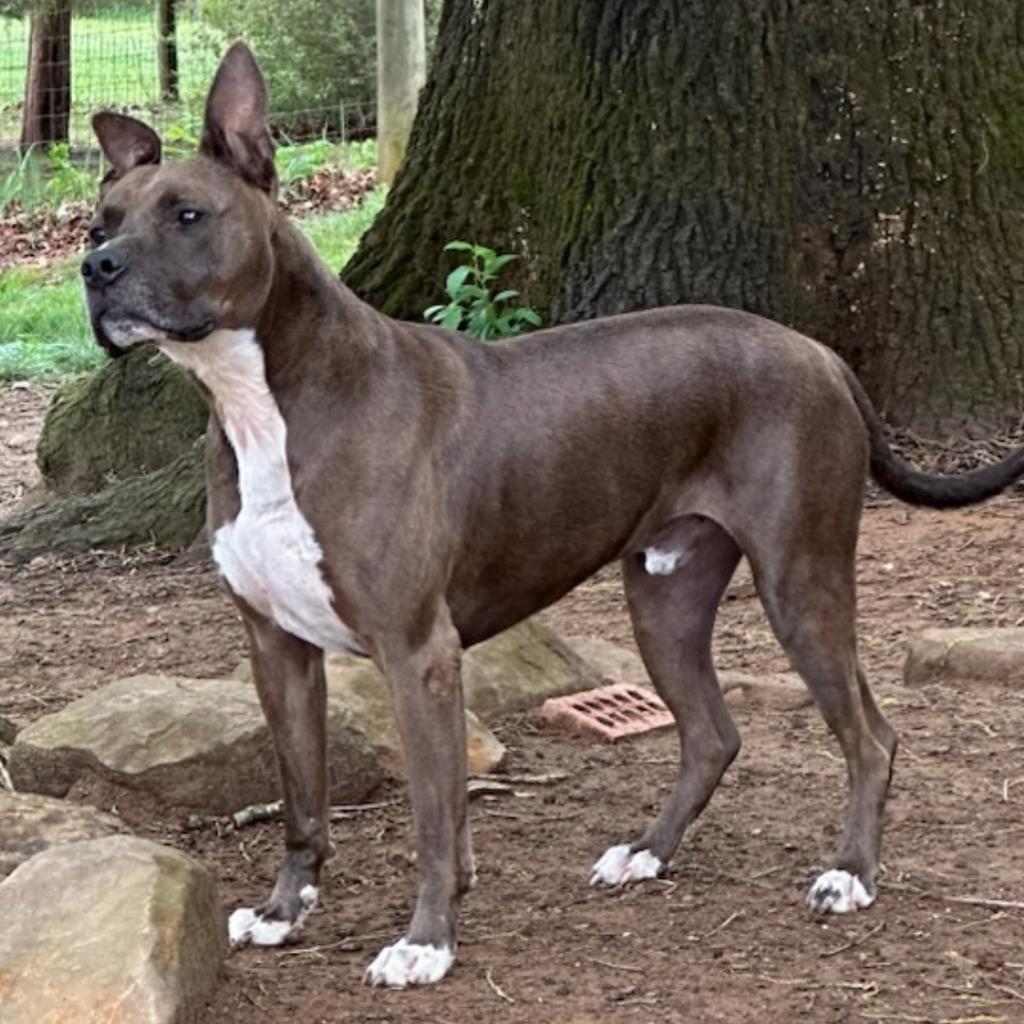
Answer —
(235, 131)
(126, 143)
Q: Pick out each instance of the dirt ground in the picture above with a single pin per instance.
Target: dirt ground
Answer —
(725, 937)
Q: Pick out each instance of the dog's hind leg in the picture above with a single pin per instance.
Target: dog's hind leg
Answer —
(427, 690)
(289, 676)
(674, 589)
(811, 604)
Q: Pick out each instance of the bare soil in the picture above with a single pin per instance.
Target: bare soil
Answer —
(725, 937)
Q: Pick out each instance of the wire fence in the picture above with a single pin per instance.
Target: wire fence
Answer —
(60, 60)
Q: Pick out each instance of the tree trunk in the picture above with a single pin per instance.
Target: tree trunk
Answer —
(857, 174)
(401, 72)
(121, 460)
(47, 108)
(166, 508)
(132, 416)
(167, 50)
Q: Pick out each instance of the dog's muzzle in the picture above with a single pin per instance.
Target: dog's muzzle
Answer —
(104, 266)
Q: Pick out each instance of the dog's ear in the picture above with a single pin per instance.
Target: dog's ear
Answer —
(235, 131)
(126, 143)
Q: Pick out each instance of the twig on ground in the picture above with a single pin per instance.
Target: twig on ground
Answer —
(5, 778)
(1008, 991)
(971, 901)
(615, 967)
(910, 1018)
(267, 812)
(531, 819)
(1008, 784)
(256, 812)
(852, 944)
(725, 924)
(524, 780)
(497, 989)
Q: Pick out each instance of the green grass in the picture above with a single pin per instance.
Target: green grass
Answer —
(336, 235)
(44, 332)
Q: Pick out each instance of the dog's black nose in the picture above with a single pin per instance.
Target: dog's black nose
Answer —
(104, 266)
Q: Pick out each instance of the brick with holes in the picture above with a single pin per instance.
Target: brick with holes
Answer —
(610, 712)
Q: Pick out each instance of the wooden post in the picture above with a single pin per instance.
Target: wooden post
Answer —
(167, 49)
(47, 109)
(401, 72)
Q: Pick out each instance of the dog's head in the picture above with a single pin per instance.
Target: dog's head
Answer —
(182, 249)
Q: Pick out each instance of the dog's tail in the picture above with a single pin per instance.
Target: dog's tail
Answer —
(908, 484)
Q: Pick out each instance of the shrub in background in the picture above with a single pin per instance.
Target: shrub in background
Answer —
(316, 54)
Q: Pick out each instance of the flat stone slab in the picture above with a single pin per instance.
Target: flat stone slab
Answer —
(514, 671)
(197, 745)
(988, 656)
(609, 662)
(364, 692)
(783, 691)
(109, 930)
(521, 668)
(30, 823)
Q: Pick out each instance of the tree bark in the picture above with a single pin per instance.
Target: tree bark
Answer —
(132, 416)
(401, 72)
(47, 108)
(167, 49)
(166, 508)
(121, 460)
(857, 174)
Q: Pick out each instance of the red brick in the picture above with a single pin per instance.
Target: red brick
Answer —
(609, 712)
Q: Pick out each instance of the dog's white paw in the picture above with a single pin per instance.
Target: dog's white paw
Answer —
(406, 963)
(246, 926)
(617, 866)
(838, 892)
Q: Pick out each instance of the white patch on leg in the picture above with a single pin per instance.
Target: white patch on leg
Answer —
(406, 963)
(838, 892)
(664, 561)
(617, 866)
(246, 927)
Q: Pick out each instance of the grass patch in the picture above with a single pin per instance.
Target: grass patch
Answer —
(336, 235)
(44, 332)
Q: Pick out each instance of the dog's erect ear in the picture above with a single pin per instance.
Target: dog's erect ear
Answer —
(126, 143)
(236, 132)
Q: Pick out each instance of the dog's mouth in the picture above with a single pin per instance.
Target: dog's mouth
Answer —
(117, 332)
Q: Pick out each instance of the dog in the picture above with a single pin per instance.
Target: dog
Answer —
(403, 492)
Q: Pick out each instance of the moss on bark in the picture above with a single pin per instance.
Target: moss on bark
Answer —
(858, 175)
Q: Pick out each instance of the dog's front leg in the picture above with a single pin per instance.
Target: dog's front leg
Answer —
(289, 675)
(428, 704)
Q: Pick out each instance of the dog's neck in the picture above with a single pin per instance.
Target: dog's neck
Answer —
(311, 324)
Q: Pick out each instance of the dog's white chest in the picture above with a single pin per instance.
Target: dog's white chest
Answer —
(268, 554)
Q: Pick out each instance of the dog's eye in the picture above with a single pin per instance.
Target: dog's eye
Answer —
(97, 235)
(188, 217)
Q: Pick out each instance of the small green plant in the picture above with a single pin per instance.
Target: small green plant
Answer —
(471, 306)
(296, 162)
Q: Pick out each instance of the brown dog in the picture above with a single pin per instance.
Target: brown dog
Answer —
(402, 491)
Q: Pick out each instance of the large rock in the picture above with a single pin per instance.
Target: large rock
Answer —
(109, 930)
(198, 745)
(521, 668)
(364, 692)
(608, 662)
(784, 691)
(516, 670)
(987, 656)
(30, 823)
